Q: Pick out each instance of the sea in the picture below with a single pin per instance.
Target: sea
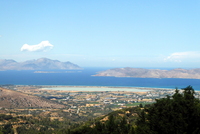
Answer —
(85, 78)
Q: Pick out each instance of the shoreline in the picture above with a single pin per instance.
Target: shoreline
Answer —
(84, 86)
(101, 88)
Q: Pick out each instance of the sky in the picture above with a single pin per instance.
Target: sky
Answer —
(104, 33)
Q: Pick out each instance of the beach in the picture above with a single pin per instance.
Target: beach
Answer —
(102, 88)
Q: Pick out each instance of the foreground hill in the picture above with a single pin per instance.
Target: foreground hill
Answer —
(151, 73)
(39, 64)
(117, 122)
(14, 99)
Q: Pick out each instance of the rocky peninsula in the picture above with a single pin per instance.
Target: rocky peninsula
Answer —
(151, 73)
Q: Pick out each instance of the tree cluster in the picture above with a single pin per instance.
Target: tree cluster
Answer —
(178, 114)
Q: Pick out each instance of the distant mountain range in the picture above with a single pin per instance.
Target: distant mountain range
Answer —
(39, 64)
(151, 73)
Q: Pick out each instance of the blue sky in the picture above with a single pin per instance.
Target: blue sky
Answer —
(105, 33)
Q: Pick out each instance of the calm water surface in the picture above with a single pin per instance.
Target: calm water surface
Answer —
(85, 78)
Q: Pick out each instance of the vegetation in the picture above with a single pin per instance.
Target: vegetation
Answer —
(118, 122)
(176, 114)
(179, 114)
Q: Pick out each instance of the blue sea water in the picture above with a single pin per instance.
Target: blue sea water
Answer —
(85, 78)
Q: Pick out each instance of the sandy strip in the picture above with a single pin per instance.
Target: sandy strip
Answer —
(101, 88)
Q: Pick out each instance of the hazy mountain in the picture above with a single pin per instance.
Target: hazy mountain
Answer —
(151, 73)
(39, 64)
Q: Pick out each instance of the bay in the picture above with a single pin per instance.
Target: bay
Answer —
(85, 78)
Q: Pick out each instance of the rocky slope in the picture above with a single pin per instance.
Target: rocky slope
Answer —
(151, 73)
(39, 64)
(14, 99)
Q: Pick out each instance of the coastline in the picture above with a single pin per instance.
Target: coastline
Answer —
(101, 88)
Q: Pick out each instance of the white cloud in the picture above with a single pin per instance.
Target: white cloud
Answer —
(183, 56)
(43, 46)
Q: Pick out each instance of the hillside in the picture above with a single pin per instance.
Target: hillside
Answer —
(151, 73)
(117, 122)
(39, 64)
(14, 99)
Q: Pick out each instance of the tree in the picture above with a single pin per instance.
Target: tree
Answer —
(179, 114)
(8, 129)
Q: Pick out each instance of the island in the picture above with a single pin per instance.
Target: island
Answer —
(39, 64)
(151, 73)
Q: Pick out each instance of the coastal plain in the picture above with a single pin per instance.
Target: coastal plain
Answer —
(99, 94)
(74, 103)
